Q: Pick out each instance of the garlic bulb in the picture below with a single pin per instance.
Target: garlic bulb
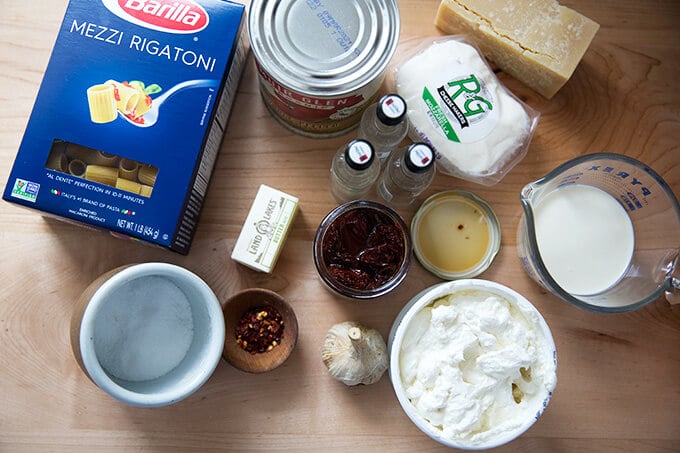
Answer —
(354, 354)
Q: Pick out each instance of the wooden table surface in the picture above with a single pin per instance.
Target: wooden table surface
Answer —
(619, 375)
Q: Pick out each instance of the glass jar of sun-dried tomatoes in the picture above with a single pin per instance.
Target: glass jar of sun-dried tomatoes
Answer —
(362, 249)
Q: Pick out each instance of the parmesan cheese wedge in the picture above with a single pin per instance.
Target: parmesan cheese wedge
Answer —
(539, 42)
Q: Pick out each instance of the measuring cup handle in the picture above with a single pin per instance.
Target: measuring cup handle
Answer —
(673, 292)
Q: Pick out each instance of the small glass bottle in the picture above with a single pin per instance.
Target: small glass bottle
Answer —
(384, 124)
(409, 171)
(354, 170)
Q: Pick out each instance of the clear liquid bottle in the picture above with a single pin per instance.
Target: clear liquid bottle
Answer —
(384, 124)
(354, 170)
(409, 171)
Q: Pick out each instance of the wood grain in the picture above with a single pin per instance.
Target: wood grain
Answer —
(619, 375)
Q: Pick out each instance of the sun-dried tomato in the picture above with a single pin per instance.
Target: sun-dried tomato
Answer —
(363, 248)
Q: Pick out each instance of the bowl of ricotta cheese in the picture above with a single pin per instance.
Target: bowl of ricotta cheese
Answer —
(472, 362)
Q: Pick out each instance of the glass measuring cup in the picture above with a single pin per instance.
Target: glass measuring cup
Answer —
(654, 226)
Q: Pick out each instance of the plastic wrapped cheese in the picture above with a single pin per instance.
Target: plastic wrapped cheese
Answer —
(478, 129)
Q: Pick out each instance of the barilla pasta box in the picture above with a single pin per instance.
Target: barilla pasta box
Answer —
(130, 115)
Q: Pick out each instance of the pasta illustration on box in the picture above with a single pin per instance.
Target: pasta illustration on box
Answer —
(130, 115)
(131, 99)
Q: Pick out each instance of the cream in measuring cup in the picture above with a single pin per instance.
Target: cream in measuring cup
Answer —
(601, 231)
(585, 238)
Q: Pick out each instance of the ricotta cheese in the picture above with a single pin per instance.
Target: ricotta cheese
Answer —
(477, 367)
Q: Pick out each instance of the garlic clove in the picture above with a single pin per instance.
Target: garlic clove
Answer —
(354, 354)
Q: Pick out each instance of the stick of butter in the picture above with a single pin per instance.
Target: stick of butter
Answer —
(264, 232)
(539, 42)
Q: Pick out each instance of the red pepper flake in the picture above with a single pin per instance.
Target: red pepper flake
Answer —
(260, 329)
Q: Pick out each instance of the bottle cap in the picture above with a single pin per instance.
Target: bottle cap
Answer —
(419, 157)
(391, 109)
(359, 154)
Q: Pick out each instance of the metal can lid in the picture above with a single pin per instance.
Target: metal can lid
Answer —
(359, 154)
(323, 47)
(419, 157)
(391, 109)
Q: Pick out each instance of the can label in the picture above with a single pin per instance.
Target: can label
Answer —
(312, 115)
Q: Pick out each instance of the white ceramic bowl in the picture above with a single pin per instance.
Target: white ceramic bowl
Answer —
(181, 375)
(425, 298)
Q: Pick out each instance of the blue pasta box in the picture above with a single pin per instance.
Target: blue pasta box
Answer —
(130, 115)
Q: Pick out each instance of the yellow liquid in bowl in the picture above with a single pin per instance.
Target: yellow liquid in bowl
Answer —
(453, 235)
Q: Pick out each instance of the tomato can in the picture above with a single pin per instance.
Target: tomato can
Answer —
(320, 63)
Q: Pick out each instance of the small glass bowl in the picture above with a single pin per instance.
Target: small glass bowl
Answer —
(328, 228)
(463, 233)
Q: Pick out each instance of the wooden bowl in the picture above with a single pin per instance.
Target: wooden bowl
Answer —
(261, 362)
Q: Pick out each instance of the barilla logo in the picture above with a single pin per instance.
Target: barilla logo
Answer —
(171, 16)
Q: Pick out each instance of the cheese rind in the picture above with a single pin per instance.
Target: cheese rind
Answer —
(539, 42)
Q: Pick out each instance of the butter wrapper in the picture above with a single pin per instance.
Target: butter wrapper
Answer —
(265, 229)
